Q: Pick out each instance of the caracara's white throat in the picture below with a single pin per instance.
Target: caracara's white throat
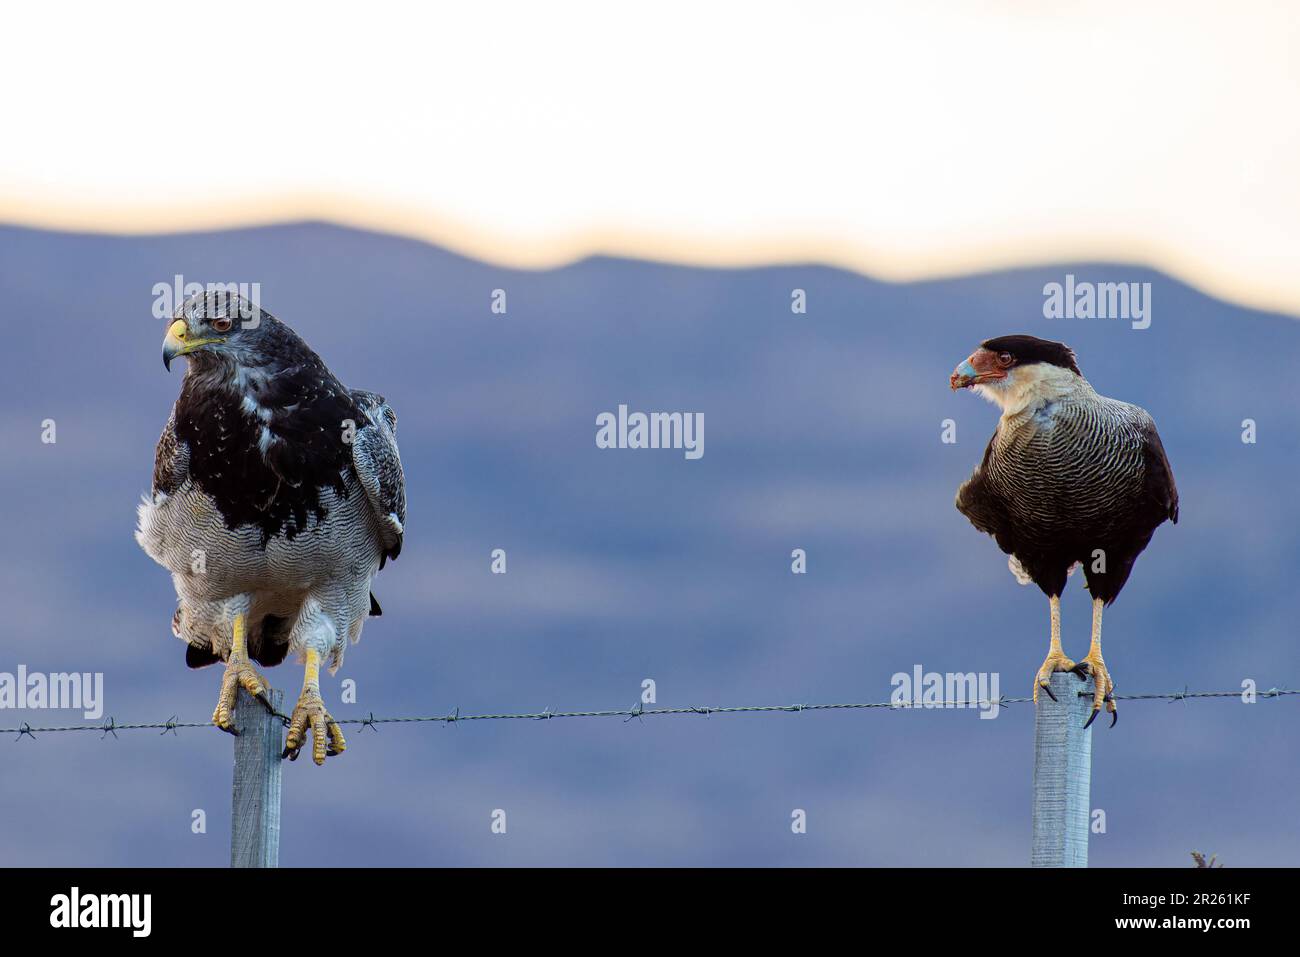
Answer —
(1029, 386)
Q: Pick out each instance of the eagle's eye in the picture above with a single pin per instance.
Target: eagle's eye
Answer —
(223, 324)
(1005, 359)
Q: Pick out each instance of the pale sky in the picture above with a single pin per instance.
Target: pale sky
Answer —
(902, 140)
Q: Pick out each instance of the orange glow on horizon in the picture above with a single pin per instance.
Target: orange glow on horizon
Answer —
(503, 249)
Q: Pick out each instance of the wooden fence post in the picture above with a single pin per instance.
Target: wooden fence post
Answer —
(255, 804)
(1062, 774)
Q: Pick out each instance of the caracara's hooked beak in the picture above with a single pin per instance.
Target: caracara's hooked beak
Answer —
(980, 366)
(179, 343)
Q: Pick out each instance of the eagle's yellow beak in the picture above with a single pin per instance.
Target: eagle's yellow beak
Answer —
(178, 343)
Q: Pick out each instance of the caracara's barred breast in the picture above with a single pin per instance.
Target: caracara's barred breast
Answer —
(1070, 477)
(1071, 480)
(1074, 466)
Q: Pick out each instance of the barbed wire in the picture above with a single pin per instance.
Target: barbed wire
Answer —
(110, 726)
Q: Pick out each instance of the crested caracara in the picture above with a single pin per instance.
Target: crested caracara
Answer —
(1069, 477)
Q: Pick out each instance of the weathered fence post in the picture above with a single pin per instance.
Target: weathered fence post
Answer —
(255, 805)
(1062, 774)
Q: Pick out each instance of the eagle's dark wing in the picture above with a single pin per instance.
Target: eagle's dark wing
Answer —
(171, 463)
(378, 467)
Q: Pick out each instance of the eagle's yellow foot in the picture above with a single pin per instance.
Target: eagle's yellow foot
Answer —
(239, 673)
(1055, 661)
(326, 736)
(1103, 690)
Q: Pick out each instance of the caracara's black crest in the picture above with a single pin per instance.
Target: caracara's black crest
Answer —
(1028, 349)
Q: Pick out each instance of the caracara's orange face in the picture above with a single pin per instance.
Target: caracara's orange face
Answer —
(983, 365)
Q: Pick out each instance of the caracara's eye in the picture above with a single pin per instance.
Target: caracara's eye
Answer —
(223, 324)
(1005, 359)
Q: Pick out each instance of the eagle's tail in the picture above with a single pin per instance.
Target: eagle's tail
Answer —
(199, 656)
(268, 645)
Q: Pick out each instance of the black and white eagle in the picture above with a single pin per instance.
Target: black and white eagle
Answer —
(277, 495)
(1069, 477)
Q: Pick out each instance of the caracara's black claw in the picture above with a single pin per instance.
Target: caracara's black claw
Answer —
(1091, 718)
(1114, 716)
(1080, 671)
(1048, 689)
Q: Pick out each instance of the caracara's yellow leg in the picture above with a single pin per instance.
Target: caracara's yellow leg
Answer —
(326, 737)
(1056, 660)
(239, 672)
(1103, 688)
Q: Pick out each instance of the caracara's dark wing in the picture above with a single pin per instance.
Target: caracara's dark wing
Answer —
(980, 503)
(1159, 476)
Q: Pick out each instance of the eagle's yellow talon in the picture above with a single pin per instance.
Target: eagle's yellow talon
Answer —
(252, 682)
(326, 739)
(337, 742)
(318, 736)
(297, 733)
(239, 673)
(309, 712)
